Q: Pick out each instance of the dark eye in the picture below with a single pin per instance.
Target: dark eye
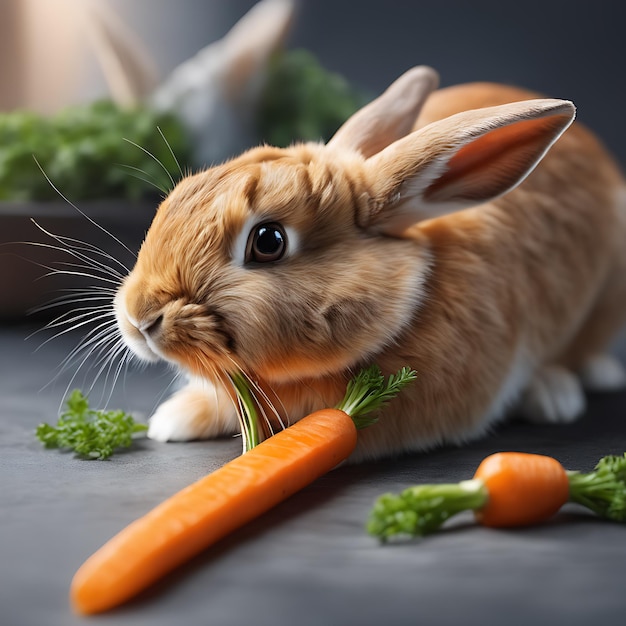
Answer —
(267, 242)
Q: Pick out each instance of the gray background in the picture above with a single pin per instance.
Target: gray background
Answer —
(564, 48)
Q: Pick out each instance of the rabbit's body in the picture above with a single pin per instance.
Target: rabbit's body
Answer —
(579, 174)
(499, 304)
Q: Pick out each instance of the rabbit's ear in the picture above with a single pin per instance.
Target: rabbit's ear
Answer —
(250, 43)
(390, 116)
(461, 161)
(127, 66)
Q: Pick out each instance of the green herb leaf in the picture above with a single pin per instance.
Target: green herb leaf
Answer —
(92, 434)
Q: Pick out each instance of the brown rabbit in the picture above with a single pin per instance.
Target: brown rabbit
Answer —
(298, 266)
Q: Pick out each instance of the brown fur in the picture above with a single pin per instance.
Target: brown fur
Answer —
(470, 299)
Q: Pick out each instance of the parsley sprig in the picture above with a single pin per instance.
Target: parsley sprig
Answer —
(92, 434)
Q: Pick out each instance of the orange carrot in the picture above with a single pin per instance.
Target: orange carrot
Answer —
(508, 489)
(523, 489)
(214, 506)
(198, 516)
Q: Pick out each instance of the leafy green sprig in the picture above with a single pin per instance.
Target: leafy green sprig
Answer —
(92, 434)
(369, 391)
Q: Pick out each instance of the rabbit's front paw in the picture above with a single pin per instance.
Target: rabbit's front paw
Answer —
(192, 413)
(603, 372)
(555, 396)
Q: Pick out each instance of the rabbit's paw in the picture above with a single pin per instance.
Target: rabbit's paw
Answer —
(554, 396)
(603, 372)
(192, 413)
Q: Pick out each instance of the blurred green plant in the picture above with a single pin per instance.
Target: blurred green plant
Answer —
(90, 151)
(102, 151)
(302, 101)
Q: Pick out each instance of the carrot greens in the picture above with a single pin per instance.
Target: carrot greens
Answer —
(422, 509)
(92, 434)
(248, 415)
(603, 491)
(369, 390)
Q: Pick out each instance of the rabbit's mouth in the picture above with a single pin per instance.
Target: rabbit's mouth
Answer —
(182, 333)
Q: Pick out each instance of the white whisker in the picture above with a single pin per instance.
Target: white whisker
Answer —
(53, 271)
(84, 322)
(100, 340)
(68, 245)
(75, 315)
(64, 318)
(169, 147)
(117, 278)
(89, 219)
(145, 178)
(87, 357)
(86, 246)
(114, 355)
(259, 390)
(154, 158)
(66, 300)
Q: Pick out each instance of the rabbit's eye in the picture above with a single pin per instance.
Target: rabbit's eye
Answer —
(267, 242)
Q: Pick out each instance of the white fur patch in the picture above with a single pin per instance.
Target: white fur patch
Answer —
(555, 396)
(195, 412)
(603, 372)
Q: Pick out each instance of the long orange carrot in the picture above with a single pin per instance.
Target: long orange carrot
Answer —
(225, 500)
(214, 506)
(508, 489)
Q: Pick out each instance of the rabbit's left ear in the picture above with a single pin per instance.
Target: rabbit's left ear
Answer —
(390, 116)
(461, 161)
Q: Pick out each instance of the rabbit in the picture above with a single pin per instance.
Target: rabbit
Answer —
(214, 93)
(472, 233)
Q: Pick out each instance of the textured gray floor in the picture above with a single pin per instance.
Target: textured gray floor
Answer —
(308, 561)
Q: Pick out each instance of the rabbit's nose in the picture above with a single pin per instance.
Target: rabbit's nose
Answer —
(151, 328)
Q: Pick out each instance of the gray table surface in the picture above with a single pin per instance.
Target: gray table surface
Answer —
(308, 561)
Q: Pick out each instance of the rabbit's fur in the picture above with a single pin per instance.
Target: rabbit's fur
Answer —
(403, 248)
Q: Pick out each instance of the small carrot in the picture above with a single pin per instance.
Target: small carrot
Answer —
(198, 516)
(508, 489)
